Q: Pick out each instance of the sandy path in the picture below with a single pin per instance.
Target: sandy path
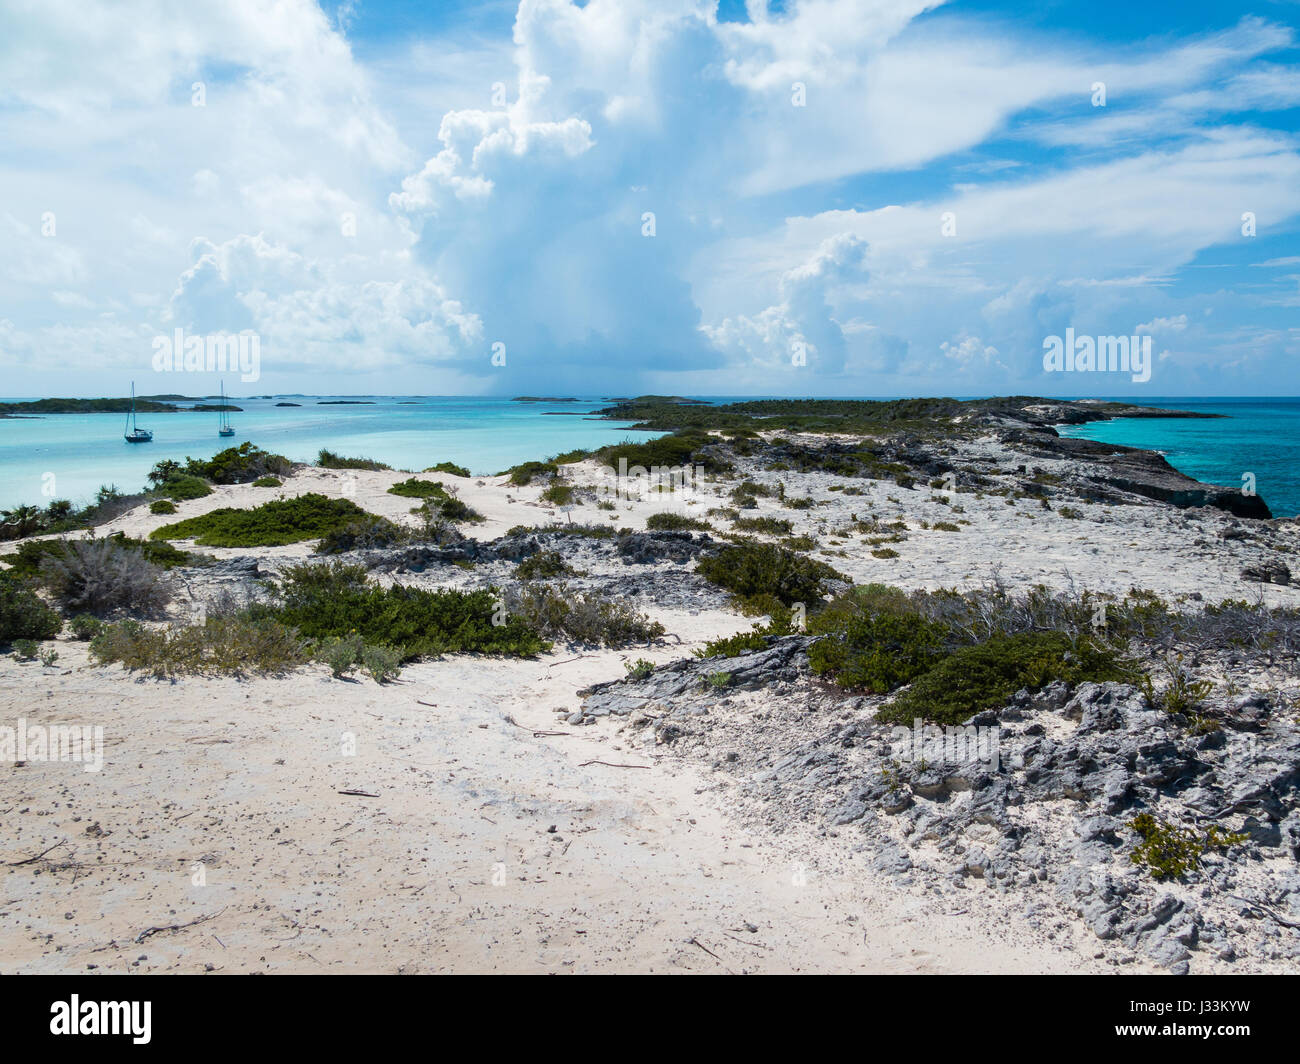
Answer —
(243, 778)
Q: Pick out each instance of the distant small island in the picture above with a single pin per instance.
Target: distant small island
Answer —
(344, 402)
(288, 404)
(544, 399)
(215, 407)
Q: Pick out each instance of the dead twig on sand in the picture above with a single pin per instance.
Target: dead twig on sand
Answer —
(536, 734)
(1265, 909)
(33, 860)
(610, 764)
(701, 945)
(358, 794)
(148, 932)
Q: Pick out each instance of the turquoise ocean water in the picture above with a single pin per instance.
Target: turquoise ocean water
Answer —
(84, 451)
(1259, 435)
(487, 435)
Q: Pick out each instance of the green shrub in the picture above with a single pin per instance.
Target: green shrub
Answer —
(639, 669)
(582, 617)
(103, 576)
(381, 663)
(451, 509)
(162, 506)
(945, 526)
(689, 447)
(341, 654)
(750, 569)
(884, 553)
(26, 649)
(449, 467)
(984, 676)
(670, 522)
(756, 638)
(544, 565)
(335, 600)
(369, 533)
(236, 645)
(558, 493)
(771, 526)
(1170, 852)
(85, 626)
(330, 460)
(414, 488)
(524, 473)
(1181, 694)
(268, 482)
(49, 656)
(30, 556)
(234, 465)
(273, 524)
(185, 487)
(878, 652)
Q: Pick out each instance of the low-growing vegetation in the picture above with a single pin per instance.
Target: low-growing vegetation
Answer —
(23, 613)
(273, 524)
(762, 575)
(559, 612)
(104, 576)
(327, 459)
(333, 600)
(234, 645)
(671, 522)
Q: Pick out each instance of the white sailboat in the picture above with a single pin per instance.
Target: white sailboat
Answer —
(135, 434)
(224, 427)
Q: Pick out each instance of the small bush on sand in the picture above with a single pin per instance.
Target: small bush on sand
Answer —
(335, 600)
(1170, 852)
(544, 565)
(330, 460)
(756, 638)
(162, 506)
(768, 526)
(234, 465)
(749, 570)
(102, 576)
(877, 652)
(558, 493)
(526, 472)
(85, 627)
(451, 509)
(184, 487)
(370, 533)
(273, 524)
(583, 617)
(23, 613)
(670, 522)
(415, 488)
(449, 467)
(268, 482)
(30, 556)
(26, 649)
(975, 678)
(341, 654)
(237, 646)
(381, 663)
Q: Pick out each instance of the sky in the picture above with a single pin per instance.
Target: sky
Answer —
(816, 197)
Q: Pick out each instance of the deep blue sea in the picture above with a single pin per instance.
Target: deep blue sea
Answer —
(71, 455)
(1260, 436)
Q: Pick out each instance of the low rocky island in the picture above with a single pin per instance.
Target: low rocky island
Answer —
(809, 685)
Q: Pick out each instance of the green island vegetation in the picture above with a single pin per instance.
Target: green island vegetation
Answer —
(329, 460)
(272, 524)
(671, 522)
(451, 468)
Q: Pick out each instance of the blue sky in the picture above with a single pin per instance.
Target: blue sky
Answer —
(891, 198)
